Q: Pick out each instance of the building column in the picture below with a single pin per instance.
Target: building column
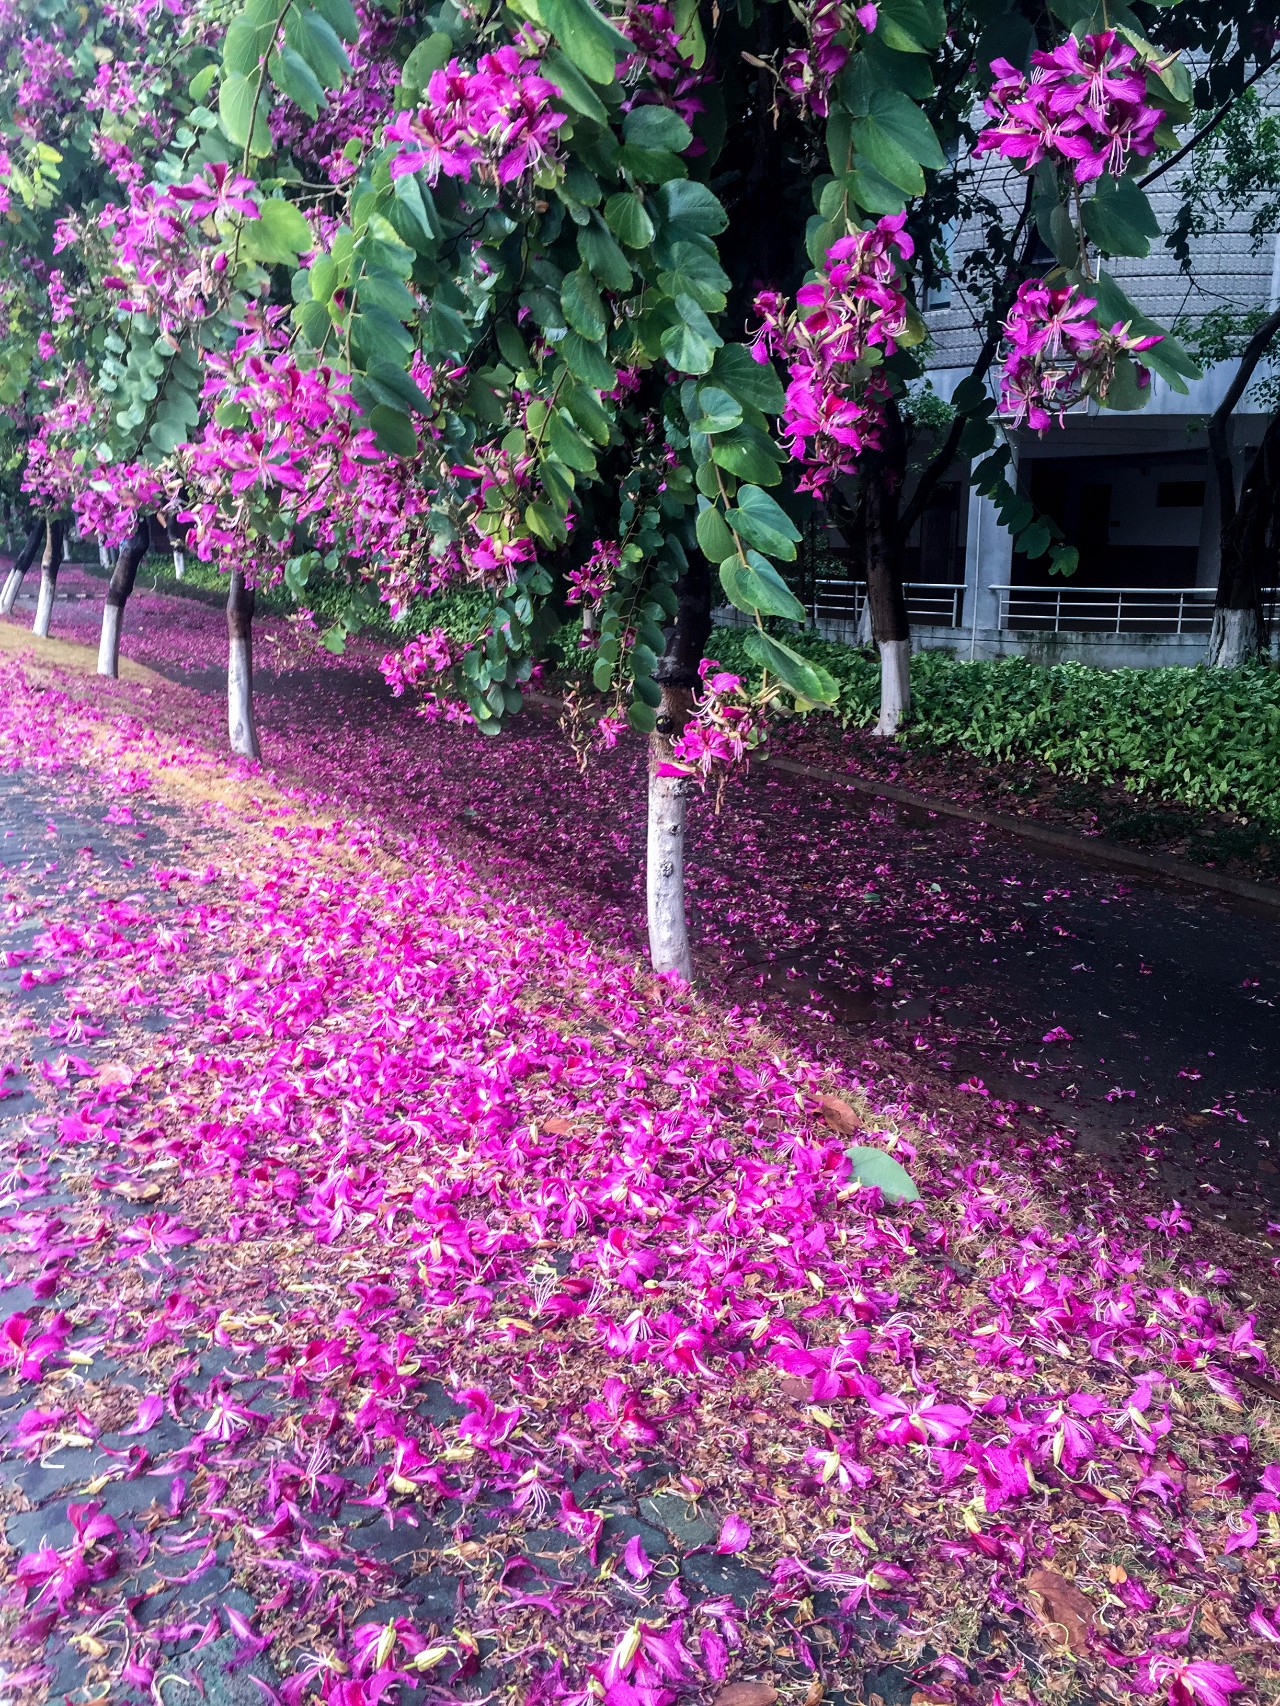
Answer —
(988, 562)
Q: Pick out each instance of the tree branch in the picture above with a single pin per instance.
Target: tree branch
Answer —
(946, 454)
(1207, 128)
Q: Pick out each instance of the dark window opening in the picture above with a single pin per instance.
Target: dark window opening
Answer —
(1180, 494)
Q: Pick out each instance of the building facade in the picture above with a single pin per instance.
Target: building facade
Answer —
(1135, 493)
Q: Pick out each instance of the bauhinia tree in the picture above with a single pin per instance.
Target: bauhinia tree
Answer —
(576, 304)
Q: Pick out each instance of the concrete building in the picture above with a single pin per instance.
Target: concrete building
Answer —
(1133, 492)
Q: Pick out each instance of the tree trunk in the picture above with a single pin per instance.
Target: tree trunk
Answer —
(890, 625)
(119, 587)
(21, 563)
(240, 724)
(1250, 544)
(677, 676)
(50, 563)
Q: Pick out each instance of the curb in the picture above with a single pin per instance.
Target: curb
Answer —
(1060, 840)
(1086, 847)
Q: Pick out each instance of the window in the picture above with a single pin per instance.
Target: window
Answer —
(1180, 494)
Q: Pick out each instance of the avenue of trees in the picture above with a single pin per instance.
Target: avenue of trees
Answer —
(586, 306)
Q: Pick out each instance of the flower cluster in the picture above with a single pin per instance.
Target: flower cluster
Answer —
(590, 581)
(853, 314)
(107, 505)
(429, 654)
(809, 72)
(1057, 353)
(660, 63)
(496, 121)
(726, 725)
(160, 266)
(1084, 107)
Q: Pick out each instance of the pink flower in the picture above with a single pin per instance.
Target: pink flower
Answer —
(218, 190)
(735, 1535)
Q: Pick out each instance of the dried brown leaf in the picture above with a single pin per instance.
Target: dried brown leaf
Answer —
(840, 1116)
(746, 1694)
(1063, 1607)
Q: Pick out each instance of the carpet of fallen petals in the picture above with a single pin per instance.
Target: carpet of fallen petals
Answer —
(407, 1298)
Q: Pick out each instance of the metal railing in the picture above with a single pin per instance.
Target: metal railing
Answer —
(1106, 609)
(937, 604)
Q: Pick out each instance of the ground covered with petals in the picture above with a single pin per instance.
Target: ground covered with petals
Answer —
(409, 1298)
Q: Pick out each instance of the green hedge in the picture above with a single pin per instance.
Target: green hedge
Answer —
(1204, 737)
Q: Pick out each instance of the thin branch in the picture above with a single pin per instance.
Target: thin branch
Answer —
(1252, 354)
(1208, 127)
(946, 455)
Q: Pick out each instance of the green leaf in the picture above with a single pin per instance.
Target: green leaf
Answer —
(715, 410)
(249, 38)
(568, 444)
(341, 14)
(749, 454)
(397, 388)
(586, 363)
(279, 234)
(394, 431)
(296, 81)
(757, 586)
(317, 41)
(605, 259)
(432, 54)
(642, 718)
(656, 128)
(1167, 358)
(1119, 218)
(237, 99)
(382, 290)
(586, 36)
(425, 230)
(897, 140)
(513, 347)
(690, 345)
(573, 86)
(873, 192)
(763, 522)
(684, 203)
(812, 685)
(583, 309)
(626, 217)
(713, 534)
(909, 26)
(752, 382)
(873, 1168)
(202, 83)
(695, 273)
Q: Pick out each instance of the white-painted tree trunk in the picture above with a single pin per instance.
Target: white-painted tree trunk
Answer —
(865, 637)
(179, 565)
(104, 556)
(44, 606)
(1233, 638)
(8, 598)
(664, 869)
(895, 685)
(240, 724)
(109, 642)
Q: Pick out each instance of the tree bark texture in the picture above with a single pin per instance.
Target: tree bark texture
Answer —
(677, 676)
(119, 587)
(890, 624)
(50, 563)
(240, 724)
(21, 563)
(1250, 546)
(1248, 524)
